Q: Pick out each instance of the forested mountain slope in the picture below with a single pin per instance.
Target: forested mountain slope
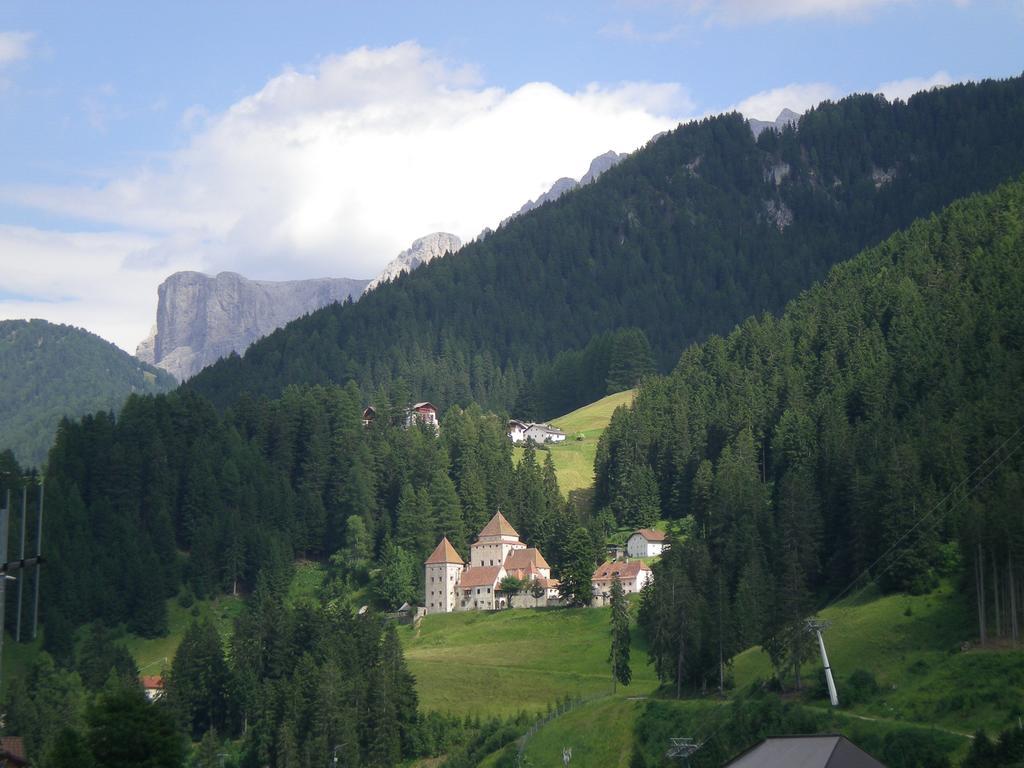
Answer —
(49, 371)
(874, 428)
(684, 238)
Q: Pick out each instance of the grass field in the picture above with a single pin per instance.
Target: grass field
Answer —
(574, 459)
(518, 660)
(912, 645)
(152, 655)
(599, 733)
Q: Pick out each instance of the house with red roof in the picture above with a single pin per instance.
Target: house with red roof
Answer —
(153, 685)
(453, 584)
(632, 574)
(422, 413)
(12, 752)
(646, 543)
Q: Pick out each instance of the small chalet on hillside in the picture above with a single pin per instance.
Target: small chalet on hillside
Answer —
(153, 685)
(421, 413)
(12, 752)
(633, 575)
(646, 543)
(521, 431)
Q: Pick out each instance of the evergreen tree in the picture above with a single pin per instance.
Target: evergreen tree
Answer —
(128, 731)
(577, 567)
(618, 657)
(198, 684)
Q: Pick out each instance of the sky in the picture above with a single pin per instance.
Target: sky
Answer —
(319, 139)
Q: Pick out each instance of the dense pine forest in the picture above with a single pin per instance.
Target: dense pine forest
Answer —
(49, 371)
(269, 481)
(693, 233)
(870, 433)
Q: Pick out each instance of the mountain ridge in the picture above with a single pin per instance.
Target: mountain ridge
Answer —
(50, 370)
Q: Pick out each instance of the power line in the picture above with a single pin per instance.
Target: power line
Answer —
(788, 638)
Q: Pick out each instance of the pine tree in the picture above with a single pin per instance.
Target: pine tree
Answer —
(577, 568)
(618, 656)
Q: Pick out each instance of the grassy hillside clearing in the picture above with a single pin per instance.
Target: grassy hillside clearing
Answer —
(518, 660)
(911, 644)
(913, 647)
(574, 459)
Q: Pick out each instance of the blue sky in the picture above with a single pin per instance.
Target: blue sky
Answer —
(309, 139)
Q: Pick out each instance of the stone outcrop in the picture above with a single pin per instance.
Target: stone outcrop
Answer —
(786, 117)
(598, 165)
(422, 251)
(201, 318)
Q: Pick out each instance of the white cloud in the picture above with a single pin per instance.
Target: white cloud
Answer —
(79, 279)
(335, 171)
(14, 46)
(904, 89)
(745, 11)
(332, 172)
(766, 105)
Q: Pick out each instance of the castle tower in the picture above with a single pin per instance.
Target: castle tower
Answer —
(443, 570)
(495, 541)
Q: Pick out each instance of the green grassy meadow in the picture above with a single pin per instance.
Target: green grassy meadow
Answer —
(600, 733)
(574, 459)
(518, 660)
(912, 645)
(153, 655)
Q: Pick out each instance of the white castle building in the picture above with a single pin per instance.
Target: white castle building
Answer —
(454, 585)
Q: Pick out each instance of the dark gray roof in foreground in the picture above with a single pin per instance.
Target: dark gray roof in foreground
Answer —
(806, 752)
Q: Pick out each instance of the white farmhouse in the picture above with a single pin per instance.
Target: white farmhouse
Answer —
(451, 584)
(646, 543)
(633, 575)
(521, 431)
(517, 430)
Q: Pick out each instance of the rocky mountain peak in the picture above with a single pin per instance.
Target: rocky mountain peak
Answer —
(202, 318)
(422, 251)
(598, 165)
(786, 117)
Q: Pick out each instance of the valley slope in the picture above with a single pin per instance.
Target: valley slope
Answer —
(50, 371)
(686, 237)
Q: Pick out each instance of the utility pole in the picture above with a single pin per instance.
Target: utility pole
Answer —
(816, 626)
(4, 514)
(39, 556)
(21, 556)
(682, 747)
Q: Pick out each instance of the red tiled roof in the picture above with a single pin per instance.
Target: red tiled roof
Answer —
(498, 526)
(624, 570)
(479, 576)
(522, 559)
(444, 553)
(650, 534)
(13, 746)
(149, 682)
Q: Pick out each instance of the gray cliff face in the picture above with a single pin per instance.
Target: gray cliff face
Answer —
(598, 165)
(201, 318)
(786, 117)
(422, 251)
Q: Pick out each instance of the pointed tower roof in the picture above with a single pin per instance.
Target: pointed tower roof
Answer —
(444, 553)
(498, 526)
